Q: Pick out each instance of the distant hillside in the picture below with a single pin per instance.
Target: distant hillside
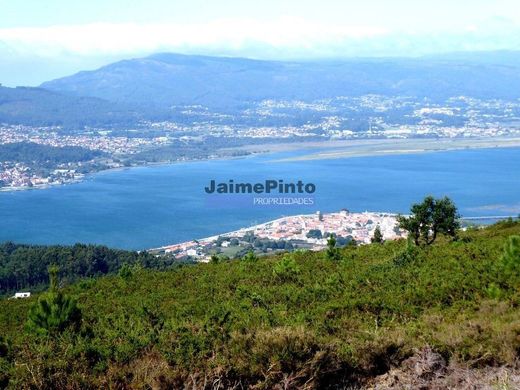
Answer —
(170, 79)
(40, 107)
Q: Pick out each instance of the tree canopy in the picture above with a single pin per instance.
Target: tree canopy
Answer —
(430, 218)
(25, 266)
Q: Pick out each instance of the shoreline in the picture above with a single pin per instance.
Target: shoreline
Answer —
(327, 149)
(293, 230)
(116, 169)
(244, 230)
(389, 147)
(216, 236)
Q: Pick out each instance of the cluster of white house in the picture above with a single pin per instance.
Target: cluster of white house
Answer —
(357, 226)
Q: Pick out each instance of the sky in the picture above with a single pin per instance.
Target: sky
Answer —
(42, 40)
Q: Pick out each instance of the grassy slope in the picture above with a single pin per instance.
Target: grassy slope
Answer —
(237, 322)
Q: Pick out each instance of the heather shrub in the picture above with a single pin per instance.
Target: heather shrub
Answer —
(286, 269)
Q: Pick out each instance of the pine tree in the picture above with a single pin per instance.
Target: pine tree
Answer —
(332, 251)
(54, 311)
(511, 257)
(378, 236)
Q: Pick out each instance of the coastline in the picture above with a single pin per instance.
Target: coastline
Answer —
(293, 231)
(116, 169)
(230, 233)
(43, 186)
(386, 147)
(244, 230)
(328, 149)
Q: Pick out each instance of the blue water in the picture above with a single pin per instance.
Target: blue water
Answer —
(152, 206)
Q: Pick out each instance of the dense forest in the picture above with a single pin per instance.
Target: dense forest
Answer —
(45, 155)
(39, 107)
(25, 266)
(351, 317)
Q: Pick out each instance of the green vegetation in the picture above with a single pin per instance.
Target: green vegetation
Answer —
(332, 251)
(295, 320)
(287, 269)
(250, 257)
(179, 150)
(429, 218)
(378, 236)
(45, 156)
(40, 107)
(25, 266)
(240, 247)
(509, 266)
(54, 312)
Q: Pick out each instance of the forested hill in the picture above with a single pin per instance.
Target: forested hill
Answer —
(156, 87)
(40, 107)
(45, 155)
(25, 266)
(386, 315)
(168, 79)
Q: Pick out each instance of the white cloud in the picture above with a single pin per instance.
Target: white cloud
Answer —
(31, 55)
(105, 38)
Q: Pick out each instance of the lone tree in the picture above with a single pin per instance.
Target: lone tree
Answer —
(54, 311)
(429, 218)
(332, 251)
(378, 236)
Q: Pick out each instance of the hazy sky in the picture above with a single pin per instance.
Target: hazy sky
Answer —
(43, 39)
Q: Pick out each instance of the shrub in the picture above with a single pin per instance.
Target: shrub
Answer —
(407, 256)
(286, 269)
(285, 348)
(511, 258)
(250, 257)
(510, 261)
(239, 324)
(493, 291)
(125, 272)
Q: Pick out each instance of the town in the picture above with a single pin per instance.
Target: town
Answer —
(20, 176)
(309, 232)
(200, 133)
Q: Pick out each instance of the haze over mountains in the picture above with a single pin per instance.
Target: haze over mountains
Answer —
(151, 87)
(169, 79)
(40, 107)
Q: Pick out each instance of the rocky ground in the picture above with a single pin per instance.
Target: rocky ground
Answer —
(428, 370)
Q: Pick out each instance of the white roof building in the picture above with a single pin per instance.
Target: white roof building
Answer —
(22, 295)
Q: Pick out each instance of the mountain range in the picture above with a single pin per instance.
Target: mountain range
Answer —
(172, 79)
(129, 90)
